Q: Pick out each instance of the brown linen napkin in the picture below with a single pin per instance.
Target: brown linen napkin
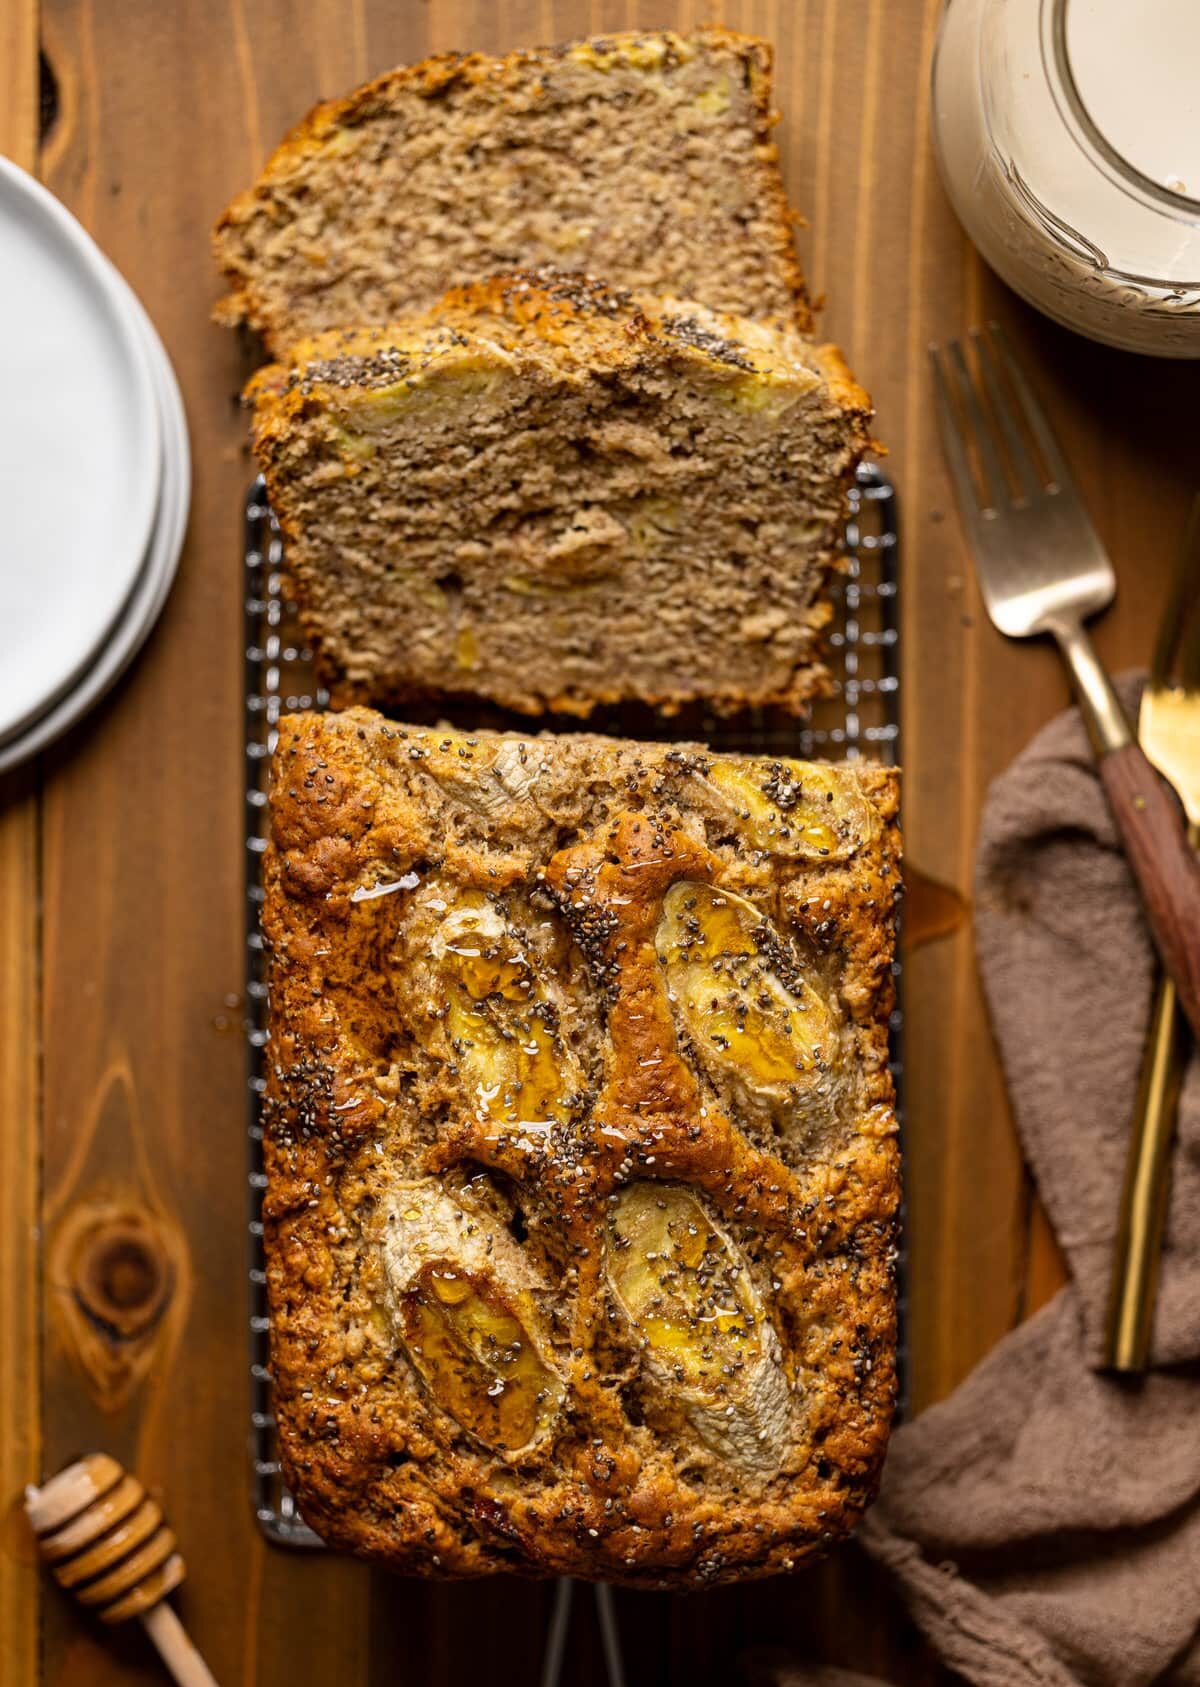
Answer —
(1044, 1522)
(1068, 972)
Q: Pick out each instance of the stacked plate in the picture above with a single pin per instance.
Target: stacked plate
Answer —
(95, 473)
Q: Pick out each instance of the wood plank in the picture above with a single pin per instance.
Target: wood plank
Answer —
(919, 281)
(19, 82)
(164, 110)
(21, 1586)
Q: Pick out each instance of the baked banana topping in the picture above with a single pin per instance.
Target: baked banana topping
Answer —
(796, 808)
(581, 1150)
(746, 1009)
(461, 1296)
(501, 1020)
(704, 1331)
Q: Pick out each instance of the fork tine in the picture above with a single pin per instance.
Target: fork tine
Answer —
(954, 445)
(1035, 416)
(995, 481)
(1019, 454)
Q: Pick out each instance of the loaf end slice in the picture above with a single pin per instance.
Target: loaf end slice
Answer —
(555, 494)
(581, 1150)
(645, 158)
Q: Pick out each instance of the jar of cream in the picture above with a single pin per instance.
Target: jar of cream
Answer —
(1068, 135)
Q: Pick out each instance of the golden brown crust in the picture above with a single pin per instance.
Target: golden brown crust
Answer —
(436, 77)
(565, 317)
(381, 837)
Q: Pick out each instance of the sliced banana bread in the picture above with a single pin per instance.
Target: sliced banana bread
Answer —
(645, 159)
(555, 495)
(581, 1149)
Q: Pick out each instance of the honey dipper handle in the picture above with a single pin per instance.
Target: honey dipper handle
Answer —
(176, 1649)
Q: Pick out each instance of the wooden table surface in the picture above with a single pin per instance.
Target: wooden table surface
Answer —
(122, 1192)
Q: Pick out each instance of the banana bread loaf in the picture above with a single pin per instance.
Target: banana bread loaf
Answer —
(580, 1141)
(645, 159)
(552, 494)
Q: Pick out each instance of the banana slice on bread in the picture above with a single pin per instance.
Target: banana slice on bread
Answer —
(461, 1295)
(705, 1335)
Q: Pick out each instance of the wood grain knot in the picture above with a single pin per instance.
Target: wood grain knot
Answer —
(115, 1268)
(122, 1276)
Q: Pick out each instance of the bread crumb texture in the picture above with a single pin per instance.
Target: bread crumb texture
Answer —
(644, 158)
(580, 1136)
(554, 493)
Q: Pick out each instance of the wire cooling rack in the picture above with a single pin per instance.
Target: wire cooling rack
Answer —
(861, 719)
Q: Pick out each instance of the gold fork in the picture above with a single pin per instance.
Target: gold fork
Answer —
(1169, 733)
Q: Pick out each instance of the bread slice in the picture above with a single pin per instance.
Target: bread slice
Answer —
(581, 1149)
(642, 158)
(554, 495)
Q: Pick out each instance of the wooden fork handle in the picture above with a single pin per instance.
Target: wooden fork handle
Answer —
(1166, 870)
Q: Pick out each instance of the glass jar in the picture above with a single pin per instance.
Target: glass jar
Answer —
(1068, 136)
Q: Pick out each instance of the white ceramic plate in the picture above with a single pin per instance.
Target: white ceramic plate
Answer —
(161, 560)
(80, 450)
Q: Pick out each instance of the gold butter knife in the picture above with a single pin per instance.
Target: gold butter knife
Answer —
(1169, 733)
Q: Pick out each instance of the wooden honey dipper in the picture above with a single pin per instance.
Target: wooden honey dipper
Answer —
(107, 1544)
